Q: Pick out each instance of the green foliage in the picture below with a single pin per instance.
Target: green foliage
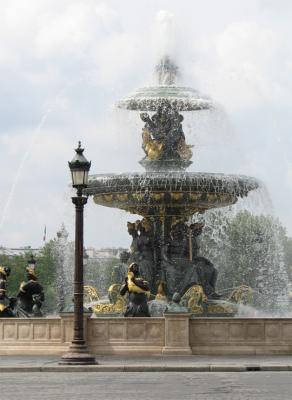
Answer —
(45, 270)
(98, 273)
(287, 245)
(17, 264)
(251, 250)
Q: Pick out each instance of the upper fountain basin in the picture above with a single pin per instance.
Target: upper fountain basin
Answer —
(187, 192)
(151, 97)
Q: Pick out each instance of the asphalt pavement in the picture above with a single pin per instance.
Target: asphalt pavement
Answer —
(146, 385)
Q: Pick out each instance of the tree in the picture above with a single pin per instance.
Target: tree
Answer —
(249, 249)
(45, 270)
(287, 245)
(98, 273)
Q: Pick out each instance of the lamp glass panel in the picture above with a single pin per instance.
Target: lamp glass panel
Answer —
(78, 177)
(86, 177)
(31, 263)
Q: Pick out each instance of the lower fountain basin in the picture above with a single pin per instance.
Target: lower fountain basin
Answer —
(152, 193)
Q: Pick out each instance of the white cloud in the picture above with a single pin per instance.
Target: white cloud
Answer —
(76, 58)
(247, 65)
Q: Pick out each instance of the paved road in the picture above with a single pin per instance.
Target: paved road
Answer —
(144, 386)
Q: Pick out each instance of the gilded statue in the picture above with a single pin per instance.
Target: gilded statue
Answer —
(6, 303)
(30, 296)
(138, 291)
(163, 136)
(153, 148)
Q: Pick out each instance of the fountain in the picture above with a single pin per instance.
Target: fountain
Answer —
(166, 195)
(165, 245)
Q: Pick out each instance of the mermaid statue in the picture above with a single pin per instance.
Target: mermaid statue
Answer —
(138, 291)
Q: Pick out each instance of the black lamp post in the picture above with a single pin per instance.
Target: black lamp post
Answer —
(78, 352)
(31, 263)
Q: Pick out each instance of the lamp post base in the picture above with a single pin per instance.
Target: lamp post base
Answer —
(78, 355)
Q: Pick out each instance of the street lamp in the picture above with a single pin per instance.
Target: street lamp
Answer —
(30, 269)
(78, 352)
(31, 263)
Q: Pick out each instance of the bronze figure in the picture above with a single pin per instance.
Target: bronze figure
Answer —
(30, 296)
(6, 304)
(138, 290)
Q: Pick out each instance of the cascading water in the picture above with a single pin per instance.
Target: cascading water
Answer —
(247, 247)
(64, 258)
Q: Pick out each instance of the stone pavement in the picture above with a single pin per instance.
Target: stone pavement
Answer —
(263, 385)
(150, 364)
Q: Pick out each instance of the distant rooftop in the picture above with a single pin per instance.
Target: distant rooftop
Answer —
(16, 251)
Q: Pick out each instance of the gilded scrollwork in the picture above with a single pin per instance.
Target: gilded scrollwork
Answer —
(221, 308)
(194, 299)
(243, 294)
(90, 293)
(116, 305)
(176, 195)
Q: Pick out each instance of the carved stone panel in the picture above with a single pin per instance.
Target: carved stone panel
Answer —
(25, 331)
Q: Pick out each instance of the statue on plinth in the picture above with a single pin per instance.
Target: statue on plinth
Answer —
(138, 291)
(31, 294)
(6, 304)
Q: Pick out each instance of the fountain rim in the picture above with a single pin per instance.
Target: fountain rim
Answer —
(239, 185)
(167, 174)
(148, 194)
(148, 98)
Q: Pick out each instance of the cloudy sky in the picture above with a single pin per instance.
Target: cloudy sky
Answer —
(64, 64)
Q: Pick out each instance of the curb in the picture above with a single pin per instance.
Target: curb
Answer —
(147, 368)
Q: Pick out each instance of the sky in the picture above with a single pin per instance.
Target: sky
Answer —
(63, 65)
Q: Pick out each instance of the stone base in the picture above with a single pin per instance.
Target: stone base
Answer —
(177, 351)
(175, 334)
(78, 354)
(77, 359)
(165, 165)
